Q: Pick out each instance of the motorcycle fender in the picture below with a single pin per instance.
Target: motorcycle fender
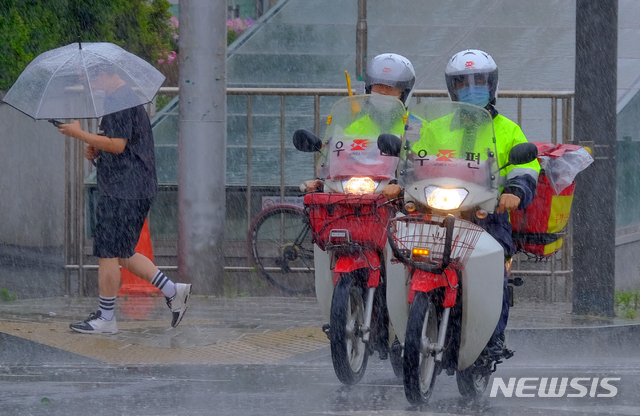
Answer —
(482, 281)
(397, 292)
(324, 281)
(426, 282)
(365, 260)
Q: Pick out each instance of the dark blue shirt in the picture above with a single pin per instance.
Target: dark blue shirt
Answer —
(132, 173)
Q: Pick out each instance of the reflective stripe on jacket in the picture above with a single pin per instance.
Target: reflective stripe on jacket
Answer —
(509, 134)
(521, 180)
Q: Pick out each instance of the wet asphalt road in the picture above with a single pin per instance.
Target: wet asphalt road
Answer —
(66, 384)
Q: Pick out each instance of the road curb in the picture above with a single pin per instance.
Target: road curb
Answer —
(604, 341)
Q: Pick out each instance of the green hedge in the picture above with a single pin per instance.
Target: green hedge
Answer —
(30, 27)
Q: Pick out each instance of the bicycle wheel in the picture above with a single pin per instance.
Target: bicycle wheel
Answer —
(280, 246)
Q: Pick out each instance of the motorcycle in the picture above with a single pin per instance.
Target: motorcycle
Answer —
(454, 269)
(349, 225)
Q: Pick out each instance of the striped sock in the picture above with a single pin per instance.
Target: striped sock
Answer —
(163, 283)
(106, 307)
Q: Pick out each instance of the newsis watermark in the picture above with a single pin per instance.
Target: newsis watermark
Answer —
(555, 387)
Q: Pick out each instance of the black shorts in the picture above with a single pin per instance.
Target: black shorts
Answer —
(118, 226)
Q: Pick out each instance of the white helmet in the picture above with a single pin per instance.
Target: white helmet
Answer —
(393, 70)
(472, 62)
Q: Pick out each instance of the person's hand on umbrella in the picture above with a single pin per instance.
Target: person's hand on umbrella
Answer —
(72, 130)
(90, 152)
(99, 142)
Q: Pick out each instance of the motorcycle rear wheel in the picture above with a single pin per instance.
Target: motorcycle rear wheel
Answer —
(473, 381)
(349, 352)
(419, 364)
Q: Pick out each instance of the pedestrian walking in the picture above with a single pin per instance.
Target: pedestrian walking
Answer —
(123, 152)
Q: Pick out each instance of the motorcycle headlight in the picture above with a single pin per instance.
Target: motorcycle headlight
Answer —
(359, 186)
(445, 199)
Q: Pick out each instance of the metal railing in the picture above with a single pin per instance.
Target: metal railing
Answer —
(77, 168)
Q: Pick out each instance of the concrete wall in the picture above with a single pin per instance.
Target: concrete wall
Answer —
(31, 181)
(627, 258)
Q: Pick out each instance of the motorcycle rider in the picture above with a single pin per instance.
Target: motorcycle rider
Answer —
(387, 74)
(392, 75)
(472, 77)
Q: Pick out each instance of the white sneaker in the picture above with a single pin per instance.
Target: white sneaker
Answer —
(178, 303)
(96, 324)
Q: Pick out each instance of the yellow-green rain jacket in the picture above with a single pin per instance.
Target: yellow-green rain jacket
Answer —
(519, 180)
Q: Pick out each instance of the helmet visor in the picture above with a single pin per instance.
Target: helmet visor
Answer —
(477, 88)
(461, 81)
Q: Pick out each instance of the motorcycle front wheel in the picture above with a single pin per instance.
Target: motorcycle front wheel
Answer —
(349, 352)
(419, 363)
(473, 381)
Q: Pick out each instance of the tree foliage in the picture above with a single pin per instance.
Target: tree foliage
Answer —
(30, 27)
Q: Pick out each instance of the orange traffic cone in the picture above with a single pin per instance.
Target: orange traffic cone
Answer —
(139, 295)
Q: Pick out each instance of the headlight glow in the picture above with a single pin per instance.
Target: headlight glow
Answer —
(445, 199)
(359, 186)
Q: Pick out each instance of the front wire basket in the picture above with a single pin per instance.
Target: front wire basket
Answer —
(363, 217)
(427, 233)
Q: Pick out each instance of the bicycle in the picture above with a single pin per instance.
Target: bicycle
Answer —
(280, 246)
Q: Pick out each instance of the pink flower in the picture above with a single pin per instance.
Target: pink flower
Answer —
(160, 61)
(174, 25)
(238, 25)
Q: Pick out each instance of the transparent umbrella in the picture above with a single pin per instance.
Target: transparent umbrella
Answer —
(61, 83)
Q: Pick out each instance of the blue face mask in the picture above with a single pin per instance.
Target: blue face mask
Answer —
(474, 94)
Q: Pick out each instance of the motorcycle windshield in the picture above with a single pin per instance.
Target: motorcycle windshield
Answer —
(350, 146)
(447, 139)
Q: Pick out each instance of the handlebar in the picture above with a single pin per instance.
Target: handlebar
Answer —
(391, 201)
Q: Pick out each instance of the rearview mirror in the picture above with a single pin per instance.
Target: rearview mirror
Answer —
(305, 141)
(523, 153)
(389, 144)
